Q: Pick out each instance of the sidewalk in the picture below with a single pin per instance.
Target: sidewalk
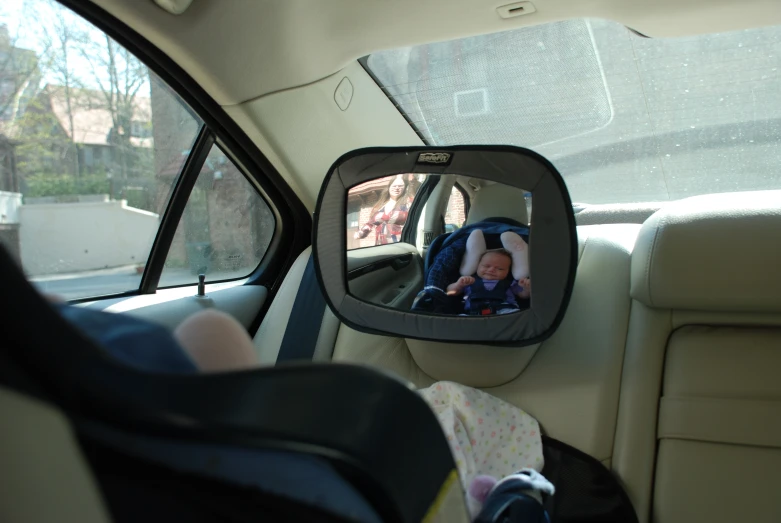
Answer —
(126, 269)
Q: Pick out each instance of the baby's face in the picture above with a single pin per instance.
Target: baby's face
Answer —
(493, 266)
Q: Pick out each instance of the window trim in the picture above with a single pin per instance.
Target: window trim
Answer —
(289, 240)
(410, 234)
(364, 61)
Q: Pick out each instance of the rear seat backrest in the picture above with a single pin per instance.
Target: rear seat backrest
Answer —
(495, 200)
(570, 383)
(699, 430)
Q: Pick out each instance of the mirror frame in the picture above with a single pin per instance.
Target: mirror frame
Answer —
(552, 231)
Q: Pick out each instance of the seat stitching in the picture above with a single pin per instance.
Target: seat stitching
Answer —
(649, 261)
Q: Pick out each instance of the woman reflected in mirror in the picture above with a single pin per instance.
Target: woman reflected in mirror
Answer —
(389, 214)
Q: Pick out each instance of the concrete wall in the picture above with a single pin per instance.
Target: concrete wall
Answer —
(73, 237)
(9, 206)
(67, 198)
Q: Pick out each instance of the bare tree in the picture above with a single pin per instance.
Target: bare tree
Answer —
(20, 73)
(60, 39)
(119, 76)
(22, 67)
(91, 81)
(53, 33)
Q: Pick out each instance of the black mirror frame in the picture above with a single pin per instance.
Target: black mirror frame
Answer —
(410, 327)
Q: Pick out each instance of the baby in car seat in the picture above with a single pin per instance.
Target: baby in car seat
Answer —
(488, 290)
(485, 434)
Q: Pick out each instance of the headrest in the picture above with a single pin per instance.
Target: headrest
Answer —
(719, 252)
(497, 200)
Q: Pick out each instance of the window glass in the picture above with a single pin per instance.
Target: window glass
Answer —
(91, 143)
(377, 209)
(225, 230)
(624, 118)
(455, 214)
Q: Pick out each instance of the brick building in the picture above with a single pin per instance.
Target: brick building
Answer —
(455, 214)
(226, 226)
(85, 121)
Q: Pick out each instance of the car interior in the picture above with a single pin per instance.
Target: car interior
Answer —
(395, 287)
(665, 365)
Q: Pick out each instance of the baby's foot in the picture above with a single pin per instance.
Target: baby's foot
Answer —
(475, 247)
(520, 253)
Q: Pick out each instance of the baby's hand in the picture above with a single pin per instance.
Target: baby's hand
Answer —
(458, 286)
(465, 281)
(526, 286)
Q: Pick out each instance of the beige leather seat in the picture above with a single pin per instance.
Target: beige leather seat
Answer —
(497, 199)
(699, 431)
(570, 382)
(51, 479)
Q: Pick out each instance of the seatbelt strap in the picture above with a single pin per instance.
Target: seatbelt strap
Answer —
(306, 317)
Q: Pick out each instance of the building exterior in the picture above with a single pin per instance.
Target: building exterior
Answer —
(226, 226)
(81, 117)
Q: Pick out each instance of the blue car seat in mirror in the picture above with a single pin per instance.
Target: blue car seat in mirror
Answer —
(443, 260)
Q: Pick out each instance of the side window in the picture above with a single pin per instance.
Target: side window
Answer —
(91, 145)
(225, 230)
(377, 209)
(457, 209)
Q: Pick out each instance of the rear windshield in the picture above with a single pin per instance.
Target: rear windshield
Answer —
(623, 117)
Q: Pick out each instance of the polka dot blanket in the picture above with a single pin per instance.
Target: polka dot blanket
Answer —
(486, 435)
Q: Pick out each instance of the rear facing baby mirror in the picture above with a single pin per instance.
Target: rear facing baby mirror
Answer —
(459, 244)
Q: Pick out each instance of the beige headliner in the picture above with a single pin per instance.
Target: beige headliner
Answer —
(242, 49)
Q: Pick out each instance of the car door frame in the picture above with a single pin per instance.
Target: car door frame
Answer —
(293, 228)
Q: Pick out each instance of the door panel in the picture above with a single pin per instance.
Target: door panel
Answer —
(169, 307)
(389, 275)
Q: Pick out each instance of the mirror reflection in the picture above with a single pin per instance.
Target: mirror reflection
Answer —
(467, 252)
(377, 210)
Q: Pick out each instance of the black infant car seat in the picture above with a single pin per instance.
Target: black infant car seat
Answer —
(443, 260)
(298, 442)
